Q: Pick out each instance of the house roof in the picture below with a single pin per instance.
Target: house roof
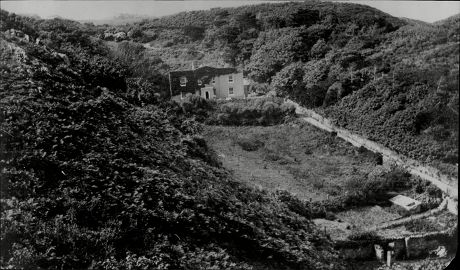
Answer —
(203, 71)
(204, 74)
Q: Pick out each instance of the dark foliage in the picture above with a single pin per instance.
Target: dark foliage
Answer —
(90, 179)
(392, 80)
(263, 111)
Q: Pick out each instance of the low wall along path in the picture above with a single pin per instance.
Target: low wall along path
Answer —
(449, 185)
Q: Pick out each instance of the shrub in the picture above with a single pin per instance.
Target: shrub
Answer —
(253, 112)
(287, 108)
(249, 143)
(101, 181)
(364, 236)
(421, 225)
(197, 106)
(434, 191)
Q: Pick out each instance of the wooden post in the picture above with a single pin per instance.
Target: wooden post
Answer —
(390, 252)
(406, 245)
(170, 86)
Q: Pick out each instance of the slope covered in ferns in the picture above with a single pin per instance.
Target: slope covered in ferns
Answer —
(97, 173)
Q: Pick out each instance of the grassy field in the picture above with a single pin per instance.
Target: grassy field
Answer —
(318, 166)
(307, 162)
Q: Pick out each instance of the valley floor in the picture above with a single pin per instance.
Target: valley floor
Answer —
(295, 157)
(314, 166)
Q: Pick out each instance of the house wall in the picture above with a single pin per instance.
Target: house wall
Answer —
(180, 97)
(222, 85)
(175, 86)
(209, 89)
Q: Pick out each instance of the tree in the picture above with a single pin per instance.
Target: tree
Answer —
(289, 81)
(245, 21)
(272, 22)
(273, 50)
(319, 49)
(304, 17)
(194, 32)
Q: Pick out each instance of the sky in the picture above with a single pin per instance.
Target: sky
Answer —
(428, 11)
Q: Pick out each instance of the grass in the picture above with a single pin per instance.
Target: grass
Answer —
(248, 143)
(305, 161)
(365, 217)
(333, 182)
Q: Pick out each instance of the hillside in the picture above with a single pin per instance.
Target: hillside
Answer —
(96, 173)
(392, 80)
(99, 170)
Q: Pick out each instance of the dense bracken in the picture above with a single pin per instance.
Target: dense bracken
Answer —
(95, 173)
(244, 112)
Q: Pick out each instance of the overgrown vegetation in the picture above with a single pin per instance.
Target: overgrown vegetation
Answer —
(247, 112)
(392, 80)
(95, 173)
(359, 191)
(326, 174)
(364, 236)
(421, 225)
(260, 111)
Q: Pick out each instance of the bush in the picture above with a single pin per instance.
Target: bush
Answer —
(197, 106)
(253, 112)
(249, 143)
(100, 181)
(364, 236)
(421, 225)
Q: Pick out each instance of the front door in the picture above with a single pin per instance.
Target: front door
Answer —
(207, 95)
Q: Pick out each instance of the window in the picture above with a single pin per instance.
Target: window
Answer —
(183, 81)
(213, 80)
(230, 90)
(230, 78)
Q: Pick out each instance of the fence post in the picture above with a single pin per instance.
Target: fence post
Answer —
(407, 247)
(388, 258)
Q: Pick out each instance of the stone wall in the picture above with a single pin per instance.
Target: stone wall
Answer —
(447, 184)
(408, 247)
(414, 246)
